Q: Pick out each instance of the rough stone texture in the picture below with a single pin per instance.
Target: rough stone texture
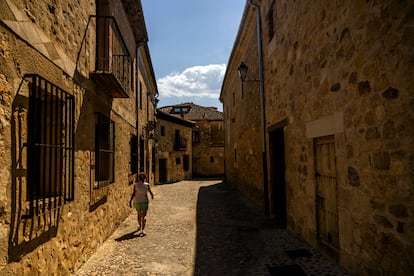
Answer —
(56, 40)
(208, 153)
(324, 57)
(211, 230)
(175, 169)
(208, 137)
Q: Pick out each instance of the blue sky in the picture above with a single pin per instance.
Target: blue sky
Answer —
(190, 42)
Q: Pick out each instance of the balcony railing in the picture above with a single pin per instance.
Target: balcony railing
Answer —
(113, 68)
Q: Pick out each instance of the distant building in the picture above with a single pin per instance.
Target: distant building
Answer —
(173, 148)
(77, 101)
(336, 165)
(207, 137)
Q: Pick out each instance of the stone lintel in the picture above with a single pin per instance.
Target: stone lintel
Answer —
(328, 125)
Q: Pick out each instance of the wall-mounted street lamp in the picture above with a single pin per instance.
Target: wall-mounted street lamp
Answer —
(242, 70)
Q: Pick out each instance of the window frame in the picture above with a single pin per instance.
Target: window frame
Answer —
(134, 157)
(104, 175)
(50, 145)
(196, 136)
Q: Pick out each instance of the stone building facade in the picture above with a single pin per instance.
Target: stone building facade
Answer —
(207, 137)
(173, 148)
(77, 102)
(338, 116)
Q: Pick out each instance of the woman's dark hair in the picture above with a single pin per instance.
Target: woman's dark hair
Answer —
(142, 176)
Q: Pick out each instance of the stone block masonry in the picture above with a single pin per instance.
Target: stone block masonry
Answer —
(49, 226)
(340, 75)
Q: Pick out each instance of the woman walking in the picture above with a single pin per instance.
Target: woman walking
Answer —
(140, 197)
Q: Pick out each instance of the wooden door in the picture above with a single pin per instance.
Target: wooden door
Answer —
(326, 192)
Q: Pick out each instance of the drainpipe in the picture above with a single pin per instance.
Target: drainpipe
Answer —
(262, 105)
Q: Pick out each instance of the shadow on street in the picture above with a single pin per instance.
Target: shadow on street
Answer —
(130, 236)
(227, 232)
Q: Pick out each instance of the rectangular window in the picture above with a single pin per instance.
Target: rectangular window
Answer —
(104, 160)
(134, 154)
(176, 110)
(177, 138)
(162, 130)
(216, 135)
(180, 143)
(141, 154)
(196, 136)
(104, 151)
(50, 149)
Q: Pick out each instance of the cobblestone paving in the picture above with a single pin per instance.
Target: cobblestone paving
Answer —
(204, 228)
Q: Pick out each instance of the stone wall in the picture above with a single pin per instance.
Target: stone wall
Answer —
(242, 116)
(56, 41)
(342, 69)
(175, 170)
(208, 153)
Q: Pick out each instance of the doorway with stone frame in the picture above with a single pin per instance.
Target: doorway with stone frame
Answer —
(162, 173)
(277, 173)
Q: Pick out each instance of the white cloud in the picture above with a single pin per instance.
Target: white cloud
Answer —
(194, 82)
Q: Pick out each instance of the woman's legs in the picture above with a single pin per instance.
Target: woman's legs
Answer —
(141, 213)
(143, 221)
(139, 219)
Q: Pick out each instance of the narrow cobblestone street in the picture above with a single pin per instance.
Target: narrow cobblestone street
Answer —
(204, 228)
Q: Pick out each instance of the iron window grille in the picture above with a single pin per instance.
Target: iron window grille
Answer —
(104, 161)
(50, 146)
(104, 151)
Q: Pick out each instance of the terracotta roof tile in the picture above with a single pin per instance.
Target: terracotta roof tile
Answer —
(195, 112)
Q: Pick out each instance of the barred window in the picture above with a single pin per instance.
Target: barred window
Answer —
(50, 159)
(104, 161)
(104, 151)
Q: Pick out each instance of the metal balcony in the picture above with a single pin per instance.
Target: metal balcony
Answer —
(113, 68)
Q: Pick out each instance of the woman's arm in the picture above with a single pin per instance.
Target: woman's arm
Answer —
(149, 190)
(132, 196)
